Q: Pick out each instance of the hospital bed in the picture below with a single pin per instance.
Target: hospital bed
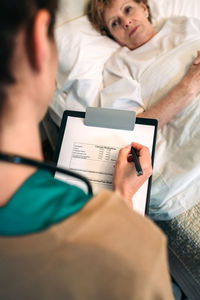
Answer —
(83, 52)
(82, 56)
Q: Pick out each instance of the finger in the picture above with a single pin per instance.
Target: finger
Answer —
(141, 150)
(144, 158)
(137, 146)
(124, 152)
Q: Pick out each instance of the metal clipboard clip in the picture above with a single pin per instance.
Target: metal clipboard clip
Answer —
(110, 118)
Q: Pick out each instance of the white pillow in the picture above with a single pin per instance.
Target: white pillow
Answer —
(83, 52)
(69, 10)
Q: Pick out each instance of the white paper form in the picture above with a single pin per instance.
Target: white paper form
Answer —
(93, 151)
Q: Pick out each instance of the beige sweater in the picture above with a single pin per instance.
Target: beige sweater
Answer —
(105, 251)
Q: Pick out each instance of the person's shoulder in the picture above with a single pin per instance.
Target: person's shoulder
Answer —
(45, 180)
(178, 25)
(42, 185)
(103, 244)
(178, 21)
(170, 21)
(127, 238)
(118, 56)
(111, 208)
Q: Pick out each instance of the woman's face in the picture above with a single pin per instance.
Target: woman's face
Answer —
(128, 23)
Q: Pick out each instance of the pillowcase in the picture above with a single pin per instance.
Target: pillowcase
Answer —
(69, 10)
(83, 52)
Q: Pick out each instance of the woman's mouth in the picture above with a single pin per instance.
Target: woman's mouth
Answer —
(133, 31)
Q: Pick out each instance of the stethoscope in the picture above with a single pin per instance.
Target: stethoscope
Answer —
(16, 159)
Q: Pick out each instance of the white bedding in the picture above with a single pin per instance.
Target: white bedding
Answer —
(83, 52)
(176, 180)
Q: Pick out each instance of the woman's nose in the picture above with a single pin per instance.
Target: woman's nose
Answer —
(126, 23)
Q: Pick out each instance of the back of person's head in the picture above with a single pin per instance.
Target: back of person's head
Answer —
(15, 15)
(95, 12)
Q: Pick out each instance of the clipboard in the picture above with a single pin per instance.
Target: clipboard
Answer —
(89, 143)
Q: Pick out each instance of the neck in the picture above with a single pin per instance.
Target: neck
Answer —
(21, 137)
(19, 134)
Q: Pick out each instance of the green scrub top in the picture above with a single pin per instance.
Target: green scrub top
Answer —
(40, 202)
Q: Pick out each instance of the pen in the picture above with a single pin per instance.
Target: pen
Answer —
(136, 161)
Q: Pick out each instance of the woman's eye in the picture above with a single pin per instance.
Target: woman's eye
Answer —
(114, 23)
(127, 9)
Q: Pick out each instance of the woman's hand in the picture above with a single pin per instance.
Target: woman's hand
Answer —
(125, 179)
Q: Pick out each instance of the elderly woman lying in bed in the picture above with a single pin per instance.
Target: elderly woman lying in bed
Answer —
(157, 74)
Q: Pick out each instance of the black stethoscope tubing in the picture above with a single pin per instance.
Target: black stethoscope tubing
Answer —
(45, 166)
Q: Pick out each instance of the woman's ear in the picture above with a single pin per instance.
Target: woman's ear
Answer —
(146, 11)
(40, 39)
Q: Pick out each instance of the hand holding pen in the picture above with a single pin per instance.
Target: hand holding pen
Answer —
(132, 169)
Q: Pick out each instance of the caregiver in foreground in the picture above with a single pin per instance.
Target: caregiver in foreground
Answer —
(128, 22)
(56, 242)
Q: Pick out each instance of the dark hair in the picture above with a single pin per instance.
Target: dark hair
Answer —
(16, 14)
(95, 12)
